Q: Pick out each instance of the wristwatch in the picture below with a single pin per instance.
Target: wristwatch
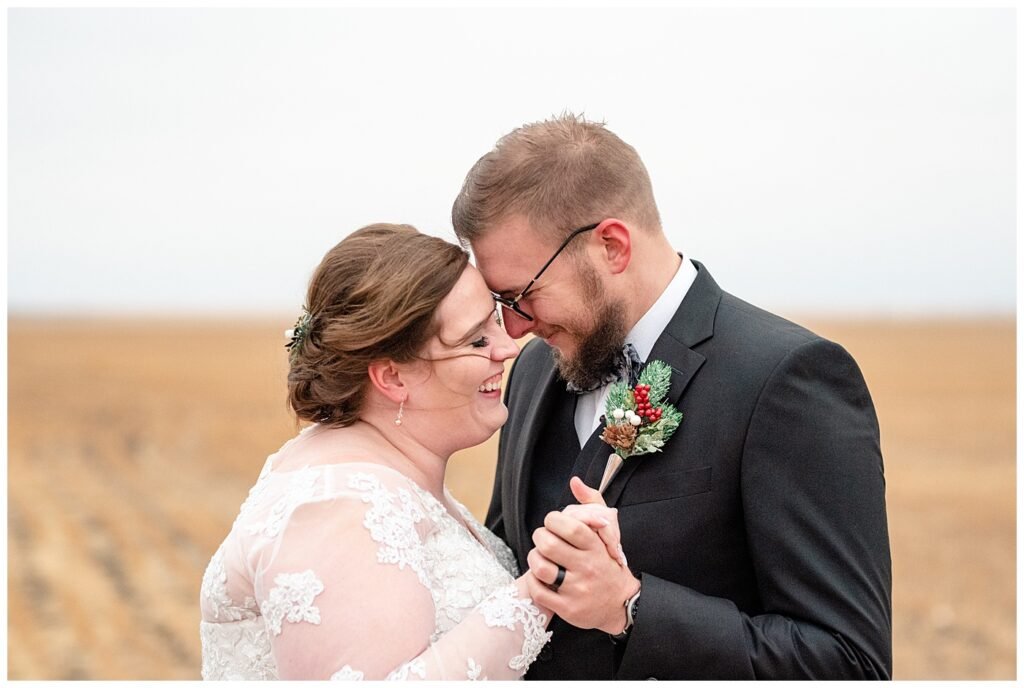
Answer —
(631, 605)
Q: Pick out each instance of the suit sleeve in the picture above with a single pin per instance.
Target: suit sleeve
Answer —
(813, 495)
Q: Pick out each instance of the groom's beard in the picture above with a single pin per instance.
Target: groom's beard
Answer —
(600, 347)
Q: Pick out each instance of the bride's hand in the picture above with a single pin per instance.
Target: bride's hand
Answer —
(602, 519)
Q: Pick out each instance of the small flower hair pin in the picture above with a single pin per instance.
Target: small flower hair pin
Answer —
(297, 335)
(634, 424)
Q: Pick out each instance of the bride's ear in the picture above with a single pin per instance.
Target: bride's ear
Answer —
(387, 379)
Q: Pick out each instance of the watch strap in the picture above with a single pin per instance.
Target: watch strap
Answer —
(631, 607)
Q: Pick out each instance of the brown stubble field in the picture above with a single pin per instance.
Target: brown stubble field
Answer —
(132, 443)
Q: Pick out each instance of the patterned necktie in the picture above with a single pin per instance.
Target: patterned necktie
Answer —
(626, 369)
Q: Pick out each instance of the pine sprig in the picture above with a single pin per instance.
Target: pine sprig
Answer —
(658, 375)
(620, 396)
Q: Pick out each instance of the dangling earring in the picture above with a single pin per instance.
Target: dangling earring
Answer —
(401, 407)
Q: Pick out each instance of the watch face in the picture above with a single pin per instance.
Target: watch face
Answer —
(631, 609)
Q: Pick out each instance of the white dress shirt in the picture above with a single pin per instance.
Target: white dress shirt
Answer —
(643, 336)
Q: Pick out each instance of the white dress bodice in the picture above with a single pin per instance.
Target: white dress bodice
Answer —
(352, 570)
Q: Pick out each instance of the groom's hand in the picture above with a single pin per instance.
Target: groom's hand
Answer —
(595, 585)
(602, 519)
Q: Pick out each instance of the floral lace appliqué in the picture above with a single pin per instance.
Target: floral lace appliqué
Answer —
(500, 550)
(214, 591)
(473, 670)
(461, 571)
(416, 666)
(347, 673)
(237, 651)
(504, 609)
(300, 490)
(291, 598)
(257, 491)
(392, 520)
(411, 528)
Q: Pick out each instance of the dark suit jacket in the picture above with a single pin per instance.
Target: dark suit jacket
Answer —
(759, 532)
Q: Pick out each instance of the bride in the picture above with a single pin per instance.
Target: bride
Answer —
(349, 559)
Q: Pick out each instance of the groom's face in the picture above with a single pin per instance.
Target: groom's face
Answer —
(569, 305)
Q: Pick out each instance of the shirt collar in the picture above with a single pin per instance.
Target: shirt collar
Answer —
(648, 328)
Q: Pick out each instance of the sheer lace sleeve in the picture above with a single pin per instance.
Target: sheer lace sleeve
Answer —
(349, 591)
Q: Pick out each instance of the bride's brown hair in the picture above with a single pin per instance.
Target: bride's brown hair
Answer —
(373, 296)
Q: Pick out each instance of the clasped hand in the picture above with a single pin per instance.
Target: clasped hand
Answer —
(585, 539)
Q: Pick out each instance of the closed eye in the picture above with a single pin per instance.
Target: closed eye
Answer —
(480, 343)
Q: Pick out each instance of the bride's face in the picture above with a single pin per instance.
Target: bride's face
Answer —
(458, 394)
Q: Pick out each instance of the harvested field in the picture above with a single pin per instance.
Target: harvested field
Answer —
(132, 444)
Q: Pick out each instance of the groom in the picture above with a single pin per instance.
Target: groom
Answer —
(757, 542)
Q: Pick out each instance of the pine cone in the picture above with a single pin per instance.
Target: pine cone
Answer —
(620, 436)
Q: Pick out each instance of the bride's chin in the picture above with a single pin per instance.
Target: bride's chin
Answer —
(493, 420)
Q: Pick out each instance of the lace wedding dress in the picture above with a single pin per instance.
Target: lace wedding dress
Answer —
(352, 571)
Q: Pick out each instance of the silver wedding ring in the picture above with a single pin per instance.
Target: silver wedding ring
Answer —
(559, 579)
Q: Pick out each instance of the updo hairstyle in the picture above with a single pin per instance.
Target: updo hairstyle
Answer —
(374, 296)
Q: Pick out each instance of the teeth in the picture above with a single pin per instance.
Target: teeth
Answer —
(490, 386)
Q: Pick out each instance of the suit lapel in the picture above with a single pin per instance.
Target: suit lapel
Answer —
(692, 324)
(526, 442)
(685, 364)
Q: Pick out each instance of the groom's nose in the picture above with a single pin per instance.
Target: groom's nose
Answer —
(516, 326)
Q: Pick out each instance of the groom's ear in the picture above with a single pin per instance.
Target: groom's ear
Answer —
(385, 377)
(616, 245)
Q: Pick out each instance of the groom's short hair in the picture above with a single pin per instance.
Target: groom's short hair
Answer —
(560, 174)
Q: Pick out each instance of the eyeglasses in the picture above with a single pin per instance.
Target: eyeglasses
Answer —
(513, 304)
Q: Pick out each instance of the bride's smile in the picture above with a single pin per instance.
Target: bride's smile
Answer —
(491, 386)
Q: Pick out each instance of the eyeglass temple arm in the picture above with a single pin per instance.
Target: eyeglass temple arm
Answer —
(552, 258)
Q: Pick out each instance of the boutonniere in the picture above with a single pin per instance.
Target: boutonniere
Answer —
(637, 421)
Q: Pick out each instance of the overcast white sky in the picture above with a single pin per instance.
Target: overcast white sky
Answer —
(834, 161)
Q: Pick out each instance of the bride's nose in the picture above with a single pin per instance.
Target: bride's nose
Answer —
(504, 348)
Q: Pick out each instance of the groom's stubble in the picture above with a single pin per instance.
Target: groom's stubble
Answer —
(600, 345)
